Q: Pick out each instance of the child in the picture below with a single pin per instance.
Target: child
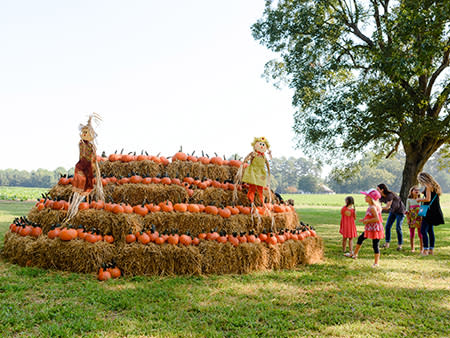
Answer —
(348, 226)
(373, 224)
(414, 220)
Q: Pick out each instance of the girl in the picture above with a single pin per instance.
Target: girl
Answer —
(434, 215)
(414, 220)
(373, 224)
(348, 226)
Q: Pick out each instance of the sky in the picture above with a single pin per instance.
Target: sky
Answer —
(160, 73)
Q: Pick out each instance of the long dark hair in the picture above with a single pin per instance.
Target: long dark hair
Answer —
(349, 201)
(384, 188)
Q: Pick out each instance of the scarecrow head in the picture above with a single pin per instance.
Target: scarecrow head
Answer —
(260, 144)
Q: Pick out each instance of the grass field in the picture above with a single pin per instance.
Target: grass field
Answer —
(21, 193)
(407, 295)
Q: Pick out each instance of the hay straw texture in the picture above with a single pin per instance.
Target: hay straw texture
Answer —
(75, 256)
(137, 259)
(155, 193)
(148, 168)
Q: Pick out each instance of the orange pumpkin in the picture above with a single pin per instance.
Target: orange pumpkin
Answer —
(194, 208)
(212, 210)
(186, 239)
(130, 238)
(144, 238)
(225, 212)
(108, 238)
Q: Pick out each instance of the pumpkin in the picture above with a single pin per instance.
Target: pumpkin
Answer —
(156, 180)
(115, 272)
(25, 231)
(196, 241)
(225, 212)
(222, 237)
(280, 238)
(242, 238)
(173, 238)
(114, 157)
(155, 208)
(180, 207)
(153, 233)
(103, 275)
(202, 235)
(271, 239)
(186, 239)
(212, 210)
(176, 181)
(54, 232)
(167, 207)
(251, 238)
(140, 209)
(67, 234)
(40, 206)
(233, 210)
(159, 240)
(194, 208)
(233, 239)
(63, 180)
(188, 180)
(130, 238)
(83, 206)
(180, 156)
(192, 158)
(108, 238)
(166, 180)
(146, 180)
(164, 160)
(216, 184)
(127, 209)
(144, 238)
(135, 179)
(117, 209)
(245, 210)
(212, 235)
(313, 233)
(216, 160)
(91, 237)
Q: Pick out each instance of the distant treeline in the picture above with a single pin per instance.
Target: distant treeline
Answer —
(289, 175)
(40, 178)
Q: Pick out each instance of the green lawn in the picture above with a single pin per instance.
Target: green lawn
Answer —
(407, 296)
(21, 193)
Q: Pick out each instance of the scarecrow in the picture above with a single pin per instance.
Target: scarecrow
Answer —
(255, 174)
(86, 168)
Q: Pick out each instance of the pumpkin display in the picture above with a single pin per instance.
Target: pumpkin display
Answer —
(181, 210)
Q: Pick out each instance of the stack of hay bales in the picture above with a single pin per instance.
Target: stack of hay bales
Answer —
(209, 257)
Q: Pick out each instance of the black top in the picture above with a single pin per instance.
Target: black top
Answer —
(397, 206)
(434, 215)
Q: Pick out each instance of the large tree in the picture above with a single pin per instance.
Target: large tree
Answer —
(367, 75)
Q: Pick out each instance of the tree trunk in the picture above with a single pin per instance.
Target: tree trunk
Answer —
(413, 166)
(416, 157)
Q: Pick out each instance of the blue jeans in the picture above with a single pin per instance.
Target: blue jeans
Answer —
(390, 220)
(427, 231)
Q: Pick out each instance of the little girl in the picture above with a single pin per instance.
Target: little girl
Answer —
(373, 224)
(348, 226)
(414, 220)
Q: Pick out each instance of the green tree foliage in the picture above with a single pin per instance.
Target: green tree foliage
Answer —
(287, 171)
(309, 183)
(41, 178)
(367, 76)
(387, 171)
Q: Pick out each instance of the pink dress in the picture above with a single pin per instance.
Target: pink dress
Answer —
(373, 230)
(348, 226)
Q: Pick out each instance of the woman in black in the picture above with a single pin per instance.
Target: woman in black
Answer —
(396, 209)
(434, 214)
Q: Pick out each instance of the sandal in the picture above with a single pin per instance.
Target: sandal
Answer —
(355, 256)
(375, 265)
(348, 254)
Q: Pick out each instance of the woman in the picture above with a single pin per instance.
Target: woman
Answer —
(396, 209)
(434, 214)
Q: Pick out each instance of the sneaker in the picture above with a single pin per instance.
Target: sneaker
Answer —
(348, 254)
(375, 265)
(399, 248)
(354, 256)
(385, 246)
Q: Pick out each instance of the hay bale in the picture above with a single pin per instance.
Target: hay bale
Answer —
(61, 191)
(218, 258)
(16, 248)
(152, 259)
(46, 217)
(76, 255)
(154, 193)
(311, 250)
(107, 222)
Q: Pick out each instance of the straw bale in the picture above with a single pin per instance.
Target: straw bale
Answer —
(147, 168)
(16, 247)
(218, 197)
(61, 191)
(152, 259)
(251, 257)
(76, 255)
(46, 217)
(311, 250)
(155, 193)
(181, 169)
(218, 258)
(218, 172)
(107, 222)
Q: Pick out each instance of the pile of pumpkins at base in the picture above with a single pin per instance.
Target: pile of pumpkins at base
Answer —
(179, 217)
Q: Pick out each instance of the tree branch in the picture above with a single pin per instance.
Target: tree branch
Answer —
(359, 34)
(376, 15)
(443, 96)
(395, 149)
(445, 63)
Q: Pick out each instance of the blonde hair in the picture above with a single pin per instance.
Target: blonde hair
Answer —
(428, 180)
(260, 139)
(97, 118)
